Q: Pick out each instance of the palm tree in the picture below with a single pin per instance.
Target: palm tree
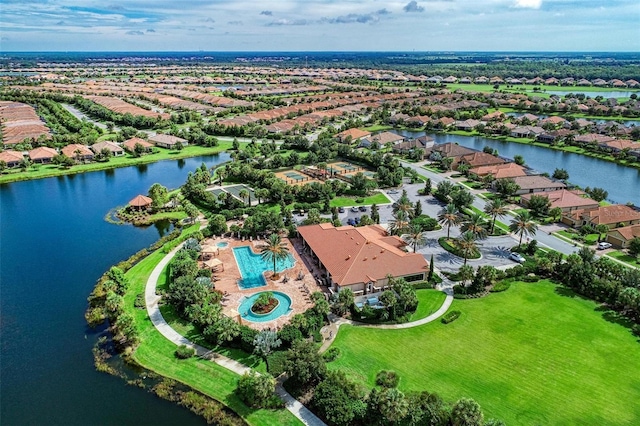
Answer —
(415, 237)
(399, 223)
(523, 224)
(449, 216)
(495, 208)
(273, 251)
(601, 229)
(476, 224)
(467, 245)
(245, 195)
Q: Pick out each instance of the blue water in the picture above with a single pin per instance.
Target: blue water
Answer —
(252, 267)
(282, 309)
(222, 244)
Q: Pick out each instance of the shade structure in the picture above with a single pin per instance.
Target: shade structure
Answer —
(209, 248)
(140, 201)
(214, 264)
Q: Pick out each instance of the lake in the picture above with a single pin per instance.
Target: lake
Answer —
(55, 245)
(622, 183)
(605, 94)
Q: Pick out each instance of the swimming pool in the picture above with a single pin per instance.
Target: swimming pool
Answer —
(222, 244)
(252, 267)
(283, 308)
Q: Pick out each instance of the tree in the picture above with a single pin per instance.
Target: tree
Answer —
(555, 213)
(303, 363)
(598, 194)
(427, 186)
(375, 214)
(634, 247)
(519, 160)
(256, 389)
(506, 187)
(466, 412)
(446, 162)
(601, 229)
(217, 225)
(539, 205)
(159, 194)
(495, 208)
(191, 210)
(449, 216)
(274, 251)
(523, 225)
(399, 224)
(560, 174)
(431, 268)
(386, 406)
(414, 237)
(476, 224)
(417, 210)
(465, 274)
(444, 188)
(265, 342)
(359, 182)
(338, 400)
(467, 245)
(245, 195)
(462, 198)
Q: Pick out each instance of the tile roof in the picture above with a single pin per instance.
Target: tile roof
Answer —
(359, 255)
(628, 232)
(42, 152)
(70, 150)
(564, 199)
(130, 144)
(537, 182)
(500, 171)
(607, 215)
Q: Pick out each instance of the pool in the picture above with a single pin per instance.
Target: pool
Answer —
(222, 244)
(252, 267)
(284, 308)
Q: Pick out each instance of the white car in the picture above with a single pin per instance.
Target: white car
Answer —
(603, 245)
(517, 257)
(354, 209)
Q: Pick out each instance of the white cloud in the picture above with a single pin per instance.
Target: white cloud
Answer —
(528, 4)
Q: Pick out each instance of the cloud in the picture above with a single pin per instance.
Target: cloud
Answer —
(287, 22)
(210, 20)
(358, 18)
(234, 22)
(151, 30)
(528, 4)
(60, 23)
(136, 33)
(412, 6)
(266, 13)
(382, 12)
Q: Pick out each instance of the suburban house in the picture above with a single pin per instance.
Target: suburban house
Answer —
(42, 154)
(450, 150)
(526, 131)
(499, 171)
(477, 159)
(592, 138)
(537, 183)
(384, 138)
(352, 135)
(167, 141)
(565, 199)
(467, 125)
(617, 215)
(11, 158)
(422, 142)
(620, 237)
(115, 149)
(78, 152)
(130, 145)
(361, 258)
(554, 135)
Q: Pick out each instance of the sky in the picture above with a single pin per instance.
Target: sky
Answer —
(320, 25)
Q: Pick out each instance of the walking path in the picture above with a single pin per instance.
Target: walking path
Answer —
(151, 300)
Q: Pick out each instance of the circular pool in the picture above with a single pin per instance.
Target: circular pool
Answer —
(283, 308)
(222, 244)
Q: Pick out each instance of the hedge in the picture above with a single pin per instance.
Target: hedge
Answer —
(450, 317)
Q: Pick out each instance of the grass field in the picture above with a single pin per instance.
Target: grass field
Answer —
(156, 353)
(378, 198)
(535, 354)
(429, 301)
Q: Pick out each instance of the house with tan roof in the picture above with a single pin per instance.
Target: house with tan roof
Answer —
(78, 152)
(537, 183)
(450, 149)
(384, 138)
(115, 149)
(130, 145)
(566, 200)
(167, 141)
(361, 258)
(613, 216)
(11, 158)
(477, 159)
(499, 171)
(423, 143)
(620, 237)
(352, 135)
(42, 154)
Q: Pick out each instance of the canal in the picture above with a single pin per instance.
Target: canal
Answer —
(55, 245)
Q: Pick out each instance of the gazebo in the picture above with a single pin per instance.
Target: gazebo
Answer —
(141, 202)
(209, 249)
(214, 264)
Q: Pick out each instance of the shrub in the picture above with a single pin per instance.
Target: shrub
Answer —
(636, 330)
(516, 271)
(500, 286)
(331, 355)
(317, 337)
(450, 317)
(275, 363)
(387, 379)
(139, 302)
(532, 278)
(184, 352)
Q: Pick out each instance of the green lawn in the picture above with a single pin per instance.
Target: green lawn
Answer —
(378, 198)
(156, 353)
(48, 170)
(624, 257)
(528, 355)
(429, 301)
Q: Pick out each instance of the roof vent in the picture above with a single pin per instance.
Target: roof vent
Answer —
(368, 242)
(364, 259)
(382, 251)
(375, 257)
(348, 257)
(357, 243)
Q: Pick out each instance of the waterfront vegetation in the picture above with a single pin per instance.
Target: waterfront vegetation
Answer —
(521, 340)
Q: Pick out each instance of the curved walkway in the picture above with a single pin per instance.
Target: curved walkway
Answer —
(151, 300)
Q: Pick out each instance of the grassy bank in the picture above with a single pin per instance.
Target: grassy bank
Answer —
(40, 171)
(378, 198)
(156, 353)
(429, 301)
(535, 354)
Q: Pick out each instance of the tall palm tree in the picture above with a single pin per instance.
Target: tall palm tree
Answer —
(273, 251)
(495, 208)
(399, 223)
(414, 237)
(245, 195)
(467, 245)
(449, 216)
(522, 225)
(476, 224)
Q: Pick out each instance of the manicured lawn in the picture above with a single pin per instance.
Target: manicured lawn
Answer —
(534, 354)
(429, 301)
(378, 127)
(378, 198)
(624, 257)
(156, 353)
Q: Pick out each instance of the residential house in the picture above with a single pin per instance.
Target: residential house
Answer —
(553, 136)
(352, 135)
(613, 216)
(423, 142)
(167, 141)
(384, 138)
(526, 131)
(130, 145)
(361, 259)
(618, 145)
(115, 149)
(78, 152)
(566, 200)
(620, 237)
(537, 183)
(11, 158)
(477, 159)
(499, 171)
(42, 154)
(592, 139)
(467, 125)
(554, 120)
(449, 149)
(494, 116)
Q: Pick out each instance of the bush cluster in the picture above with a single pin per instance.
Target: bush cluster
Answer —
(450, 317)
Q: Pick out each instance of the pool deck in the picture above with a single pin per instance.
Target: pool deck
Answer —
(226, 282)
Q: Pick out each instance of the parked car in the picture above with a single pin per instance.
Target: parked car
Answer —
(393, 191)
(362, 208)
(354, 209)
(341, 209)
(517, 257)
(603, 245)
(351, 222)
